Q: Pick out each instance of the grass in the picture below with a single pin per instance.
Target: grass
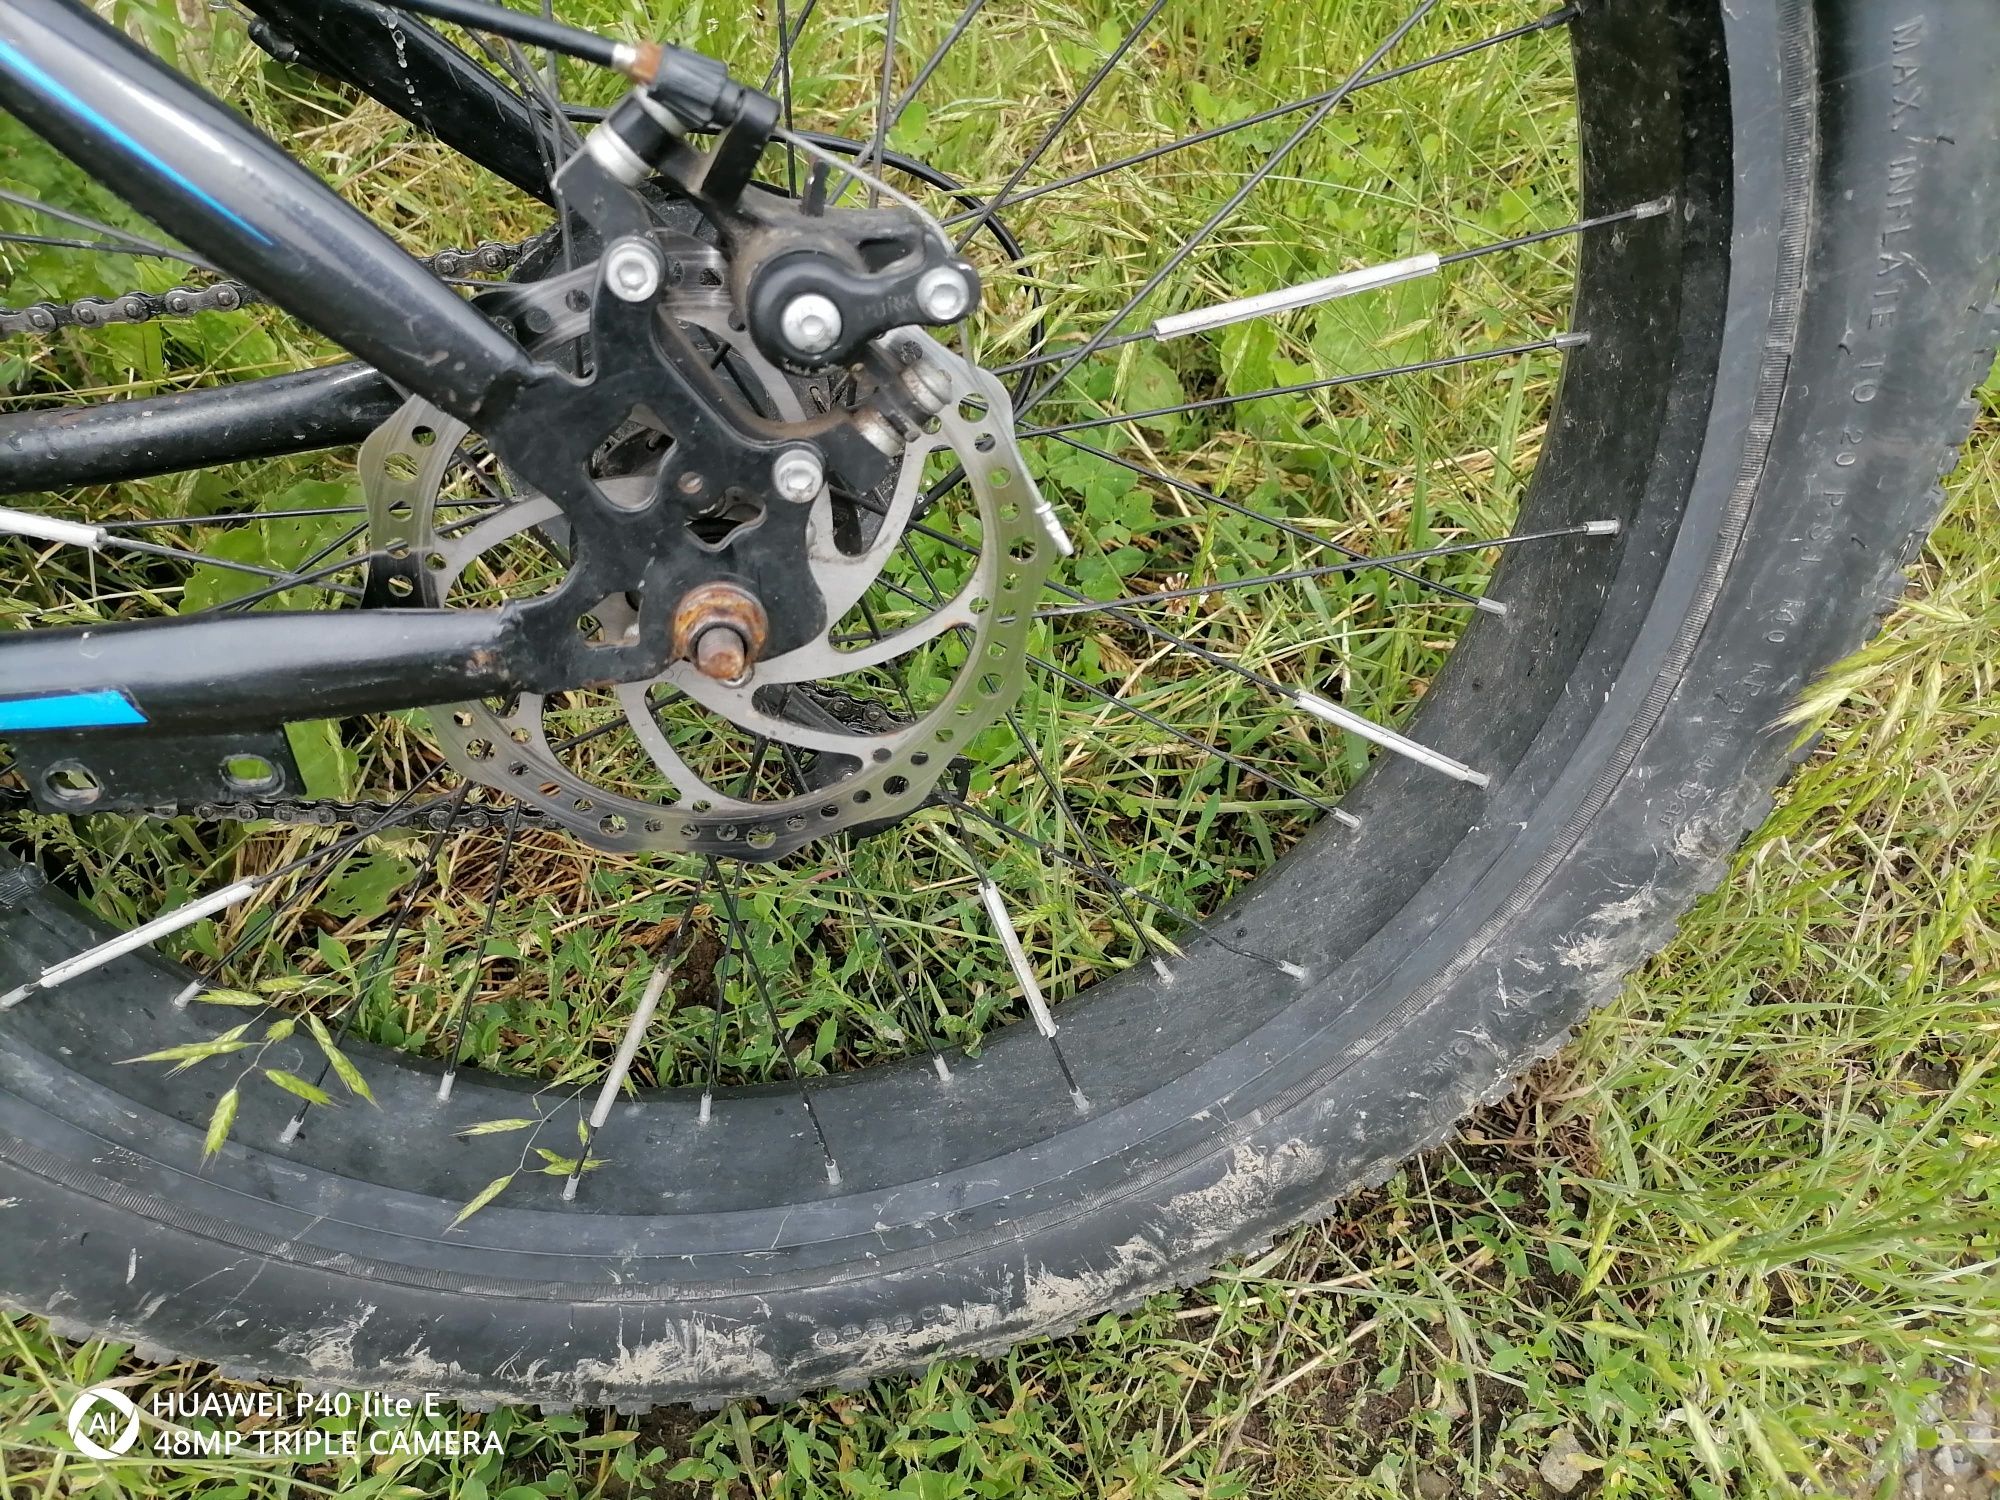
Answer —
(1738, 1239)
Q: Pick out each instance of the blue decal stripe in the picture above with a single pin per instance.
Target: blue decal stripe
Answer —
(97, 710)
(50, 86)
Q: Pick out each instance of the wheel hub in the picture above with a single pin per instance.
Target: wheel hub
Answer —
(759, 692)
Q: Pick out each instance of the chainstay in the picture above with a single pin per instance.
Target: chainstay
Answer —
(327, 812)
(492, 257)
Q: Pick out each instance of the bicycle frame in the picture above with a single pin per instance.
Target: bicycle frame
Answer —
(207, 177)
(409, 69)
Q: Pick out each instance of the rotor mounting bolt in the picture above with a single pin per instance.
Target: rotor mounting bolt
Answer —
(798, 474)
(943, 294)
(810, 323)
(632, 270)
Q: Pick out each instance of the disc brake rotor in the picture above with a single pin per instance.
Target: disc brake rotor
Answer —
(867, 767)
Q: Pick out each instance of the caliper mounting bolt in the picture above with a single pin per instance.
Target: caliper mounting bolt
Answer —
(943, 294)
(810, 323)
(632, 270)
(798, 474)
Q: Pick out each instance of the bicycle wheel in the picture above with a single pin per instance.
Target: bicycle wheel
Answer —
(1187, 941)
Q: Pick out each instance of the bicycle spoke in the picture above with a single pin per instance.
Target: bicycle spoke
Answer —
(1277, 112)
(891, 16)
(1346, 284)
(419, 883)
(1325, 383)
(877, 149)
(126, 242)
(1277, 783)
(1024, 979)
(742, 942)
(260, 926)
(243, 602)
(1028, 840)
(166, 924)
(1083, 842)
(712, 877)
(906, 1004)
(101, 538)
(1216, 220)
(1054, 786)
(462, 1011)
(1311, 703)
(101, 247)
(1324, 570)
(1195, 742)
(1062, 123)
(781, 69)
(1278, 523)
(232, 517)
(635, 1032)
(784, 71)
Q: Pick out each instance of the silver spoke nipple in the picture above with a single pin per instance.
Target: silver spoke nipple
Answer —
(1489, 606)
(1306, 294)
(1602, 528)
(569, 1188)
(1160, 968)
(1052, 524)
(1653, 209)
(1080, 1100)
(1294, 970)
(707, 1103)
(832, 1172)
(139, 937)
(292, 1127)
(943, 1070)
(1570, 340)
(1017, 958)
(50, 529)
(187, 993)
(444, 1086)
(1388, 739)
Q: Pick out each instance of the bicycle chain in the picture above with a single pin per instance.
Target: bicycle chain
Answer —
(321, 812)
(490, 257)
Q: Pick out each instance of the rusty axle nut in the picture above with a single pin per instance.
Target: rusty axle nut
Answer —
(721, 629)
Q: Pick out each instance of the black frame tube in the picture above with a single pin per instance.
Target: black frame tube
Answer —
(202, 173)
(411, 70)
(407, 67)
(206, 176)
(59, 447)
(205, 673)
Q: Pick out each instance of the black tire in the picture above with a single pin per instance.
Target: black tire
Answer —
(1776, 379)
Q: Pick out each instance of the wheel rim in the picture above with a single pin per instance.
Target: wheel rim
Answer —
(1015, 1091)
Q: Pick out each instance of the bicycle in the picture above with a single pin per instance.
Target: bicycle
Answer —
(708, 525)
